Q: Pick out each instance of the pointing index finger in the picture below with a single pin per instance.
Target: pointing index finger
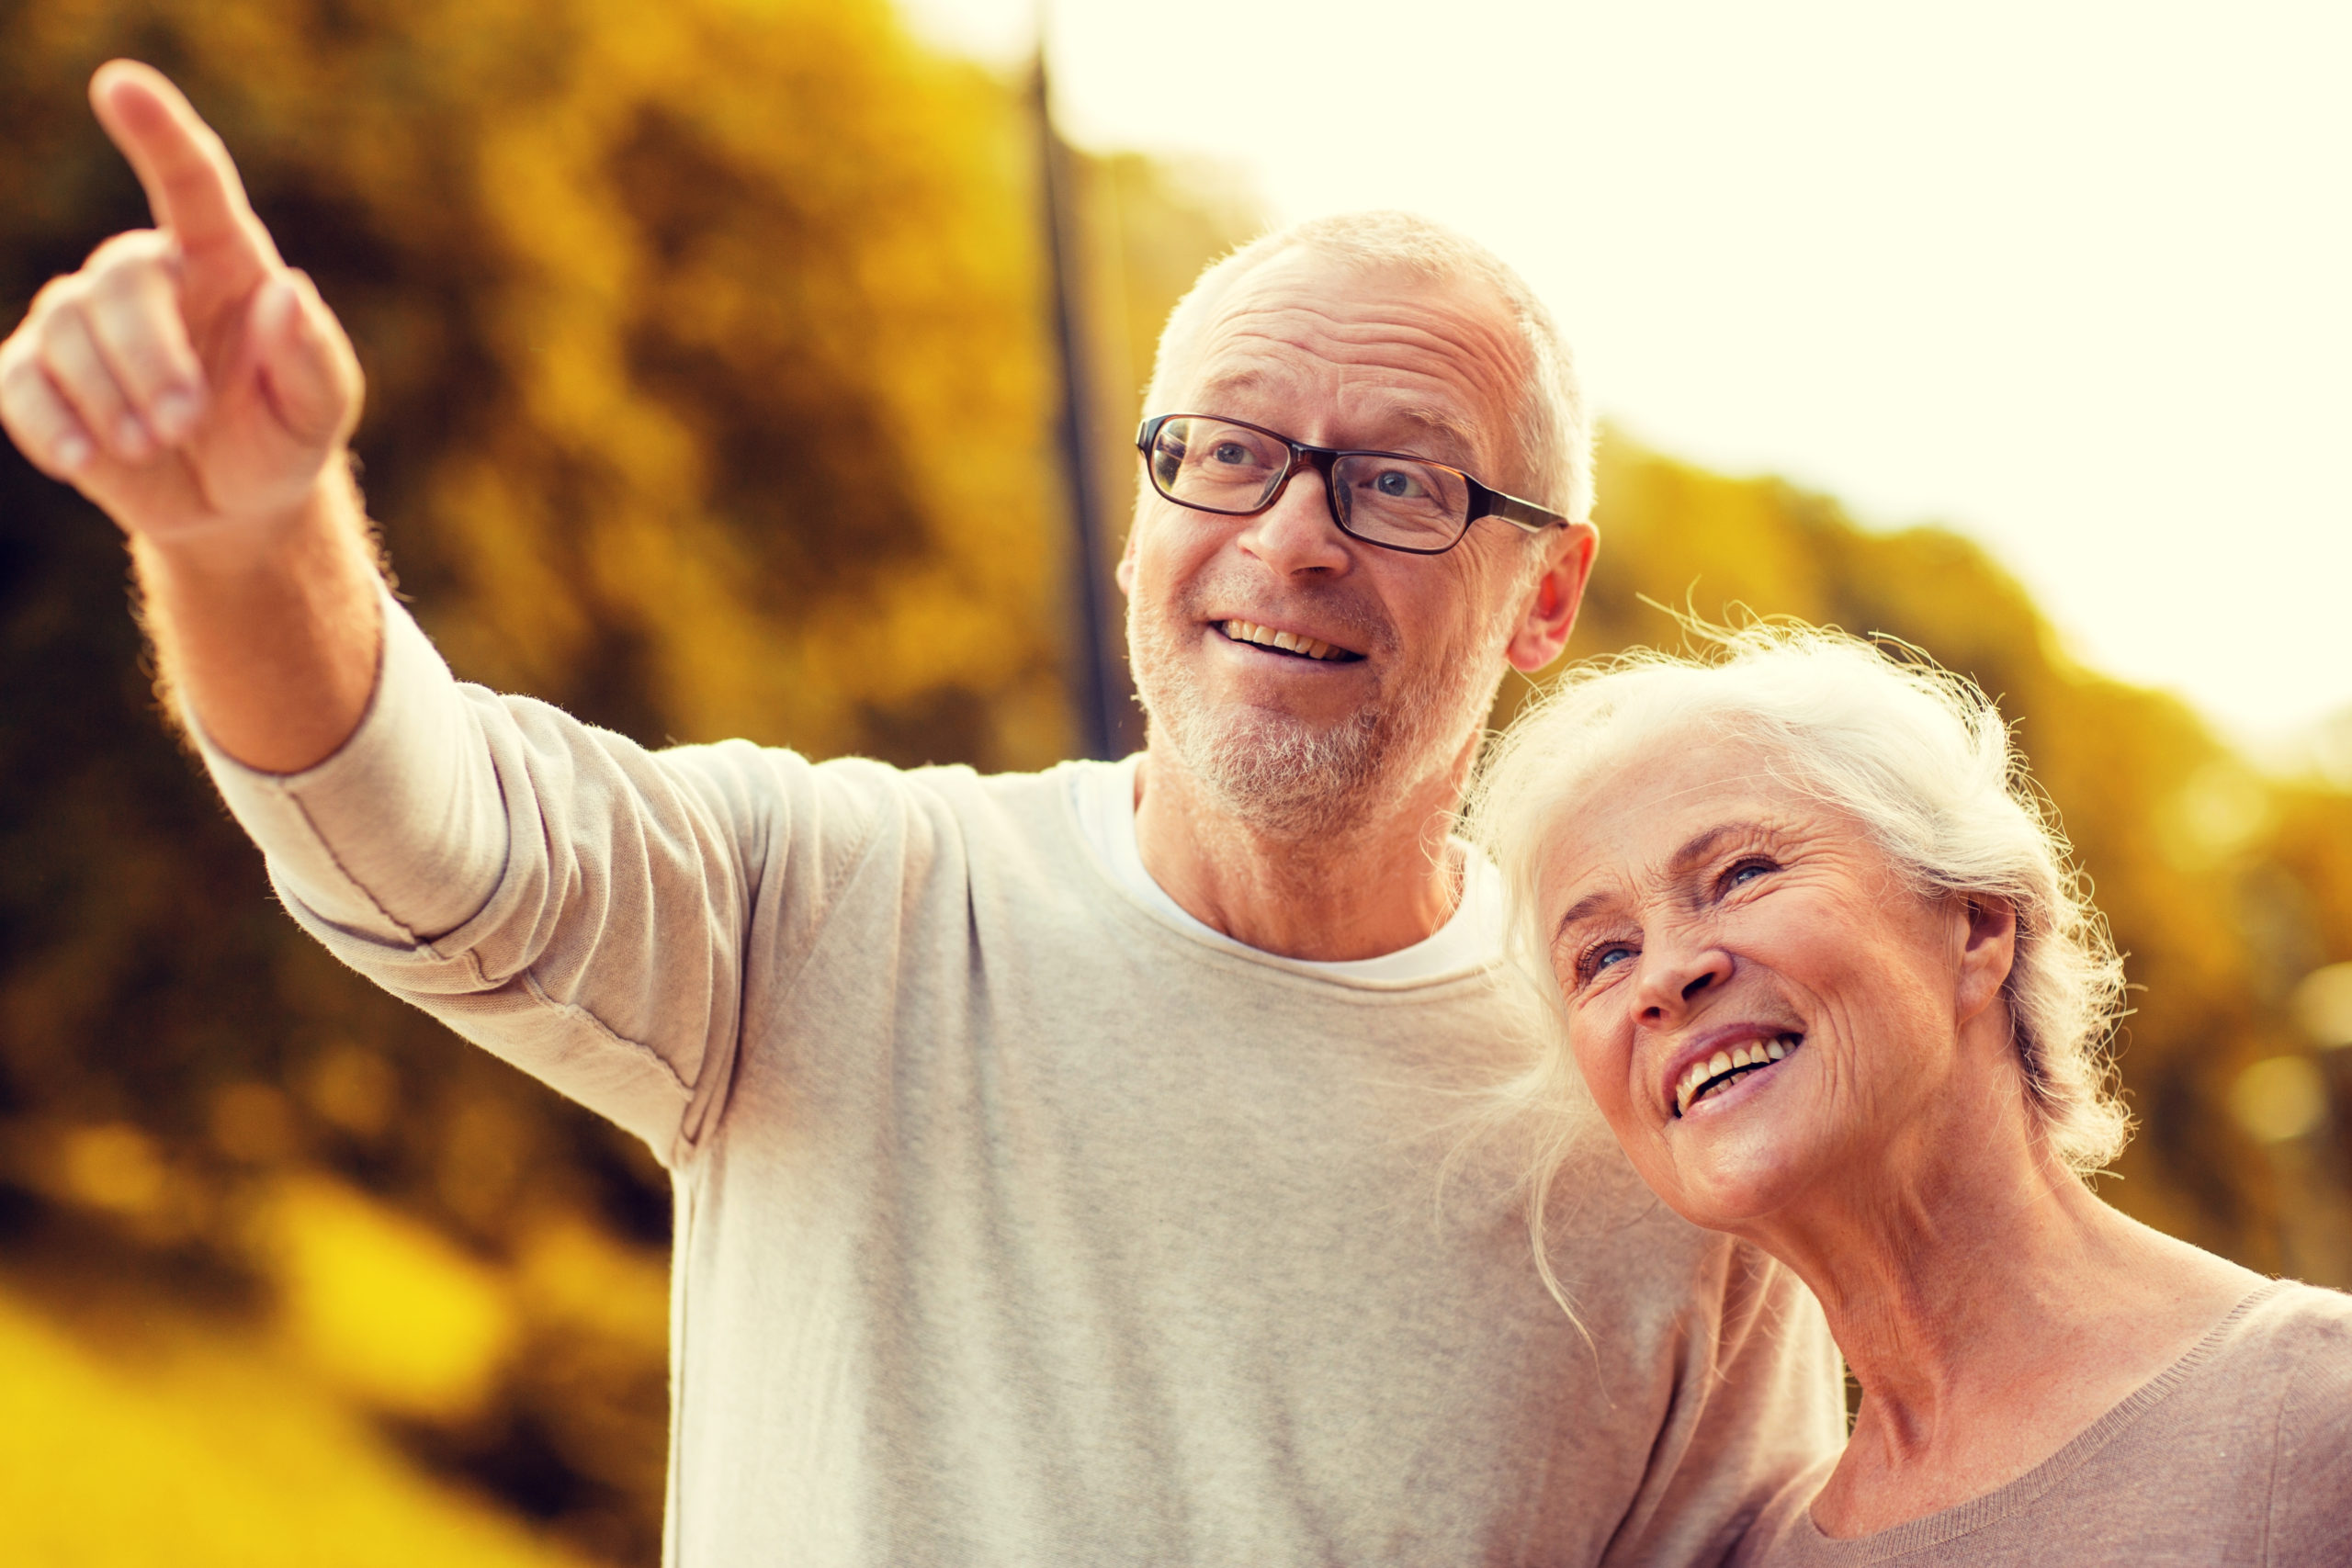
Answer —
(192, 186)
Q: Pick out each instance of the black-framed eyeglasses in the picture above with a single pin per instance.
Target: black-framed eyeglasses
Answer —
(1390, 498)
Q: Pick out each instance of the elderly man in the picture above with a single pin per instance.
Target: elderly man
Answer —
(1057, 1157)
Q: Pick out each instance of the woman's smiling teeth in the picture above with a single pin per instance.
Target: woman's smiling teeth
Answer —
(1283, 642)
(1727, 1068)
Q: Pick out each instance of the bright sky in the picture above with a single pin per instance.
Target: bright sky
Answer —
(2074, 278)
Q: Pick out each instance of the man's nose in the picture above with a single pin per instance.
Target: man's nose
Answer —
(1676, 979)
(1296, 534)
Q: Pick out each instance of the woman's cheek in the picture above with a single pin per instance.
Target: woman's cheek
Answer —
(1604, 1056)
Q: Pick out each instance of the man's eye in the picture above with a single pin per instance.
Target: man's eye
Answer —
(1231, 452)
(1397, 485)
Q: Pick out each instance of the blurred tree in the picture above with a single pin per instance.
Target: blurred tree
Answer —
(707, 397)
(1143, 230)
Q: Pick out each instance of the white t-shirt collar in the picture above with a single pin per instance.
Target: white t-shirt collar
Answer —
(1103, 796)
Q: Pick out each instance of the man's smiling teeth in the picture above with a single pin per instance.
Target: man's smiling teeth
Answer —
(1728, 1066)
(1289, 642)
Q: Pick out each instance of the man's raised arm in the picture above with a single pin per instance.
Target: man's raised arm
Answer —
(198, 389)
(556, 894)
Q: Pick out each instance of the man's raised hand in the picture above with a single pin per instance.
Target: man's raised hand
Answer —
(185, 378)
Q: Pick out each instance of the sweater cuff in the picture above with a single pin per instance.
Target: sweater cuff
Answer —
(399, 835)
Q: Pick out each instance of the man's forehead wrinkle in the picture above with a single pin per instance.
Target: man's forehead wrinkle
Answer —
(1429, 319)
(1302, 328)
(1398, 375)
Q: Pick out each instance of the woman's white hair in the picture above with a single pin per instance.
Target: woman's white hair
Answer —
(1917, 755)
(1553, 435)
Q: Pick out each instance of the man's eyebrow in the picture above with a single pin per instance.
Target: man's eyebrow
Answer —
(1246, 380)
(1437, 433)
(1457, 440)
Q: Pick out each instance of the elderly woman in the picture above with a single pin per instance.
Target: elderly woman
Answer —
(1820, 959)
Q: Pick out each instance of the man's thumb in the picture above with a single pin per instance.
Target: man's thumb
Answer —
(309, 375)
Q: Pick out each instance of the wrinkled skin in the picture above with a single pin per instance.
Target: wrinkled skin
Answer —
(1274, 783)
(1715, 905)
(1989, 1304)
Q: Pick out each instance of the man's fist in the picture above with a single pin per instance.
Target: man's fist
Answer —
(185, 378)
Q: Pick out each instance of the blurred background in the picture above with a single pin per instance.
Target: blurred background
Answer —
(727, 360)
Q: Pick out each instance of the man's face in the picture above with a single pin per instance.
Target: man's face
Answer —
(1335, 355)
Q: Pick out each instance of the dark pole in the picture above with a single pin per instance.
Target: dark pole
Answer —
(1097, 683)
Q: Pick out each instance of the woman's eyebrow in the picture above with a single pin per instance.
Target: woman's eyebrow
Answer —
(1699, 846)
(1583, 908)
(1696, 848)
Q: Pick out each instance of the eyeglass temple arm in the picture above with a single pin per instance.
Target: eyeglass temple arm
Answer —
(1520, 514)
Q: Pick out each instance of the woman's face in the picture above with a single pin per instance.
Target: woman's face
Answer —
(1759, 1001)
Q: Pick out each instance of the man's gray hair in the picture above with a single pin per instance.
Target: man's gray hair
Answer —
(1553, 438)
(1919, 755)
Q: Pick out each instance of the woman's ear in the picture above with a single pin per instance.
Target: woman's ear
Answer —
(1988, 951)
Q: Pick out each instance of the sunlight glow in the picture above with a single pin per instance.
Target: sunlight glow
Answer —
(2069, 278)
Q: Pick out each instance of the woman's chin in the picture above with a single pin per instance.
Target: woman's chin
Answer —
(1730, 1177)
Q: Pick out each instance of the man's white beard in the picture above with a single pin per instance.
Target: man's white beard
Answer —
(1288, 777)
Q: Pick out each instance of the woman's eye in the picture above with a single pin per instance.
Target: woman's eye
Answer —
(1603, 955)
(1747, 870)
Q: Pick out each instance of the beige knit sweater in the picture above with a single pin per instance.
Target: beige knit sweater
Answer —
(1016, 1224)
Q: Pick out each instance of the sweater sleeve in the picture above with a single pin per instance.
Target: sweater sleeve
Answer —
(1759, 1400)
(400, 836)
(559, 895)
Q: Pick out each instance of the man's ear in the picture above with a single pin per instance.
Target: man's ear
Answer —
(1551, 604)
(1988, 951)
(1124, 574)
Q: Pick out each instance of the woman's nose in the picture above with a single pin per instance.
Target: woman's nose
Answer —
(1676, 980)
(1296, 534)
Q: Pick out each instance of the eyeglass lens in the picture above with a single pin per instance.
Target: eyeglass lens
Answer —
(1217, 467)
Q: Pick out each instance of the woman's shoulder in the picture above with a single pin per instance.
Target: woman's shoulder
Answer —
(2300, 1337)
(2296, 1302)
(2295, 1330)
(2283, 1353)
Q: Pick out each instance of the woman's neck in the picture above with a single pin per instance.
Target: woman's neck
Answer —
(1991, 1307)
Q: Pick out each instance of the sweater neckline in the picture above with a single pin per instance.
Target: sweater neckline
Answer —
(1962, 1519)
(1098, 803)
